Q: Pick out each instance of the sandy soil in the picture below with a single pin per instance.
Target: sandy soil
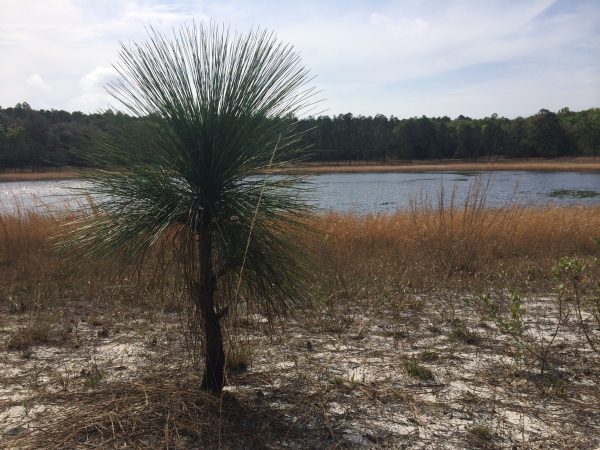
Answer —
(343, 376)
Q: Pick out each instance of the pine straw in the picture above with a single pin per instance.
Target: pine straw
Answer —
(162, 409)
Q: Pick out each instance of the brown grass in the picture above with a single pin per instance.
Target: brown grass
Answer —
(63, 174)
(583, 164)
(427, 248)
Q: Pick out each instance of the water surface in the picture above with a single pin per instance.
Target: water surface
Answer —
(370, 192)
(379, 192)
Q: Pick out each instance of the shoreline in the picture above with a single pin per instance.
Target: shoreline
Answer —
(552, 165)
(51, 175)
(589, 164)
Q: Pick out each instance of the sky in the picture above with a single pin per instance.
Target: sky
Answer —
(403, 58)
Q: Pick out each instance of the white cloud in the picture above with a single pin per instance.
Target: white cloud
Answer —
(93, 96)
(412, 27)
(37, 82)
(368, 56)
(97, 78)
(89, 101)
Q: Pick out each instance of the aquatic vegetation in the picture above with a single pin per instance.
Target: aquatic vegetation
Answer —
(573, 193)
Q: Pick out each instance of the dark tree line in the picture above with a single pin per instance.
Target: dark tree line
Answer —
(43, 139)
(46, 139)
(545, 134)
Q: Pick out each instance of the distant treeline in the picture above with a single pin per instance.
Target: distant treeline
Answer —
(42, 139)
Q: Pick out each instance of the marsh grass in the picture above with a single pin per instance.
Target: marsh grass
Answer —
(581, 164)
(385, 257)
(455, 247)
(573, 193)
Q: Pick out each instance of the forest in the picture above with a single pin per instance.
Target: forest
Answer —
(43, 139)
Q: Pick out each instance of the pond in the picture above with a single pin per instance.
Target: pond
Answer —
(385, 192)
(373, 192)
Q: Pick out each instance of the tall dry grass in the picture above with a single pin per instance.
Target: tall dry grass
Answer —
(442, 246)
(456, 246)
(36, 272)
(25, 253)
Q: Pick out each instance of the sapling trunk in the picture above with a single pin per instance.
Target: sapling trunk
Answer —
(214, 370)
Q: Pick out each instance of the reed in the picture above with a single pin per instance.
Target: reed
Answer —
(424, 247)
(428, 247)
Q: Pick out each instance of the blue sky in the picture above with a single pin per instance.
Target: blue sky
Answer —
(406, 58)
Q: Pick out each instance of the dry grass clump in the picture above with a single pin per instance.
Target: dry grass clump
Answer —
(34, 333)
(25, 232)
(36, 272)
(457, 246)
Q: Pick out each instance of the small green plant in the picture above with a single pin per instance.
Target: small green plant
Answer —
(461, 333)
(576, 287)
(337, 381)
(429, 355)
(64, 378)
(415, 370)
(482, 432)
(92, 377)
(91, 374)
(509, 316)
(27, 406)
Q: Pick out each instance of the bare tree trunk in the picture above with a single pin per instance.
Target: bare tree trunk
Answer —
(214, 373)
(213, 379)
